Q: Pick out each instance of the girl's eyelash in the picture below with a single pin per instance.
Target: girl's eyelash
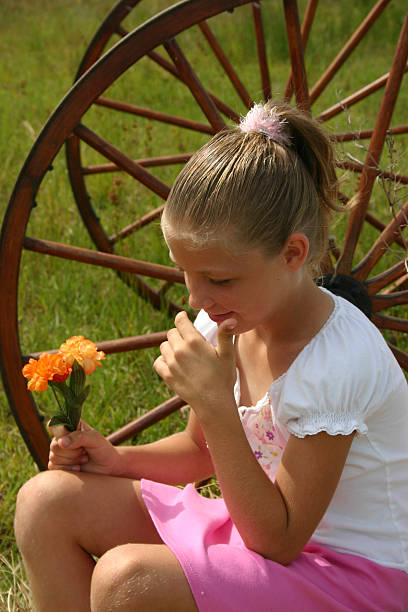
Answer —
(215, 281)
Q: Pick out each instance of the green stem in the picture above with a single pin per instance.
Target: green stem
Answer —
(56, 397)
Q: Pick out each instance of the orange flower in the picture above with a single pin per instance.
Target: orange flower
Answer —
(83, 351)
(47, 367)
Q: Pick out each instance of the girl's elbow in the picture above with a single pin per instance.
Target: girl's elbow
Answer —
(282, 553)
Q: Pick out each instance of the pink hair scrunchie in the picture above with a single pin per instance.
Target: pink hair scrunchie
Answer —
(268, 122)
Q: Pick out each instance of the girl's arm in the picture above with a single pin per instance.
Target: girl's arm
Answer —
(275, 520)
(178, 459)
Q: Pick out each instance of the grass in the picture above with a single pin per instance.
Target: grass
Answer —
(41, 45)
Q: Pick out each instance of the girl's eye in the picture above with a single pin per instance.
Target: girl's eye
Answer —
(215, 281)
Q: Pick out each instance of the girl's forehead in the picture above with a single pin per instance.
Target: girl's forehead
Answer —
(212, 257)
(214, 254)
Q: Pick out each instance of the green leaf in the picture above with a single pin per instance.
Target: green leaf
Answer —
(74, 413)
(82, 397)
(60, 389)
(77, 379)
(61, 419)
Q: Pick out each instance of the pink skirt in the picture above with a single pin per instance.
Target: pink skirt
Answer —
(225, 576)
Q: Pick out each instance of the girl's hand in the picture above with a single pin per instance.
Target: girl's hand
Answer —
(83, 450)
(203, 375)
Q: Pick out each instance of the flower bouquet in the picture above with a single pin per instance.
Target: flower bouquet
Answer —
(75, 358)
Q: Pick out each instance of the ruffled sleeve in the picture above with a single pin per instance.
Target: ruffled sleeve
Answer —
(340, 379)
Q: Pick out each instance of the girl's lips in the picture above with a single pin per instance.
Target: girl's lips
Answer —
(219, 318)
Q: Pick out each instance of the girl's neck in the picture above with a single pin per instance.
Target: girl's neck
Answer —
(304, 315)
(265, 353)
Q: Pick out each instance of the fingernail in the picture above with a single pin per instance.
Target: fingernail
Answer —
(65, 442)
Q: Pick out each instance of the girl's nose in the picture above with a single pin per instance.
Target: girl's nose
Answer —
(198, 297)
(198, 304)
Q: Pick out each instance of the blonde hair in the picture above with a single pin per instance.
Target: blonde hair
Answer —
(248, 190)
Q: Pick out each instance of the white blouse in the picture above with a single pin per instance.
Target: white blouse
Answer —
(345, 379)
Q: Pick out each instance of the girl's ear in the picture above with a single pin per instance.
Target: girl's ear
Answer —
(296, 250)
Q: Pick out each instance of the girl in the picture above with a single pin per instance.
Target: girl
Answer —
(297, 406)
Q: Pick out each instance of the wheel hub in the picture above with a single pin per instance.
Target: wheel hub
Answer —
(349, 288)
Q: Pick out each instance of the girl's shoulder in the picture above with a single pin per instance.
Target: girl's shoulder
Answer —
(351, 338)
(342, 377)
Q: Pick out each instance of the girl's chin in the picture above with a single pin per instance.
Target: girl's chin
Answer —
(240, 328)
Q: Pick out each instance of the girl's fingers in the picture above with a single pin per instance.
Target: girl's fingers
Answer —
(84, 426)
(70, 468)
(72, 455)
(184, 326)
(85, 437)
(174, 338)
(161, 368)
(225, 342)
(165, 349)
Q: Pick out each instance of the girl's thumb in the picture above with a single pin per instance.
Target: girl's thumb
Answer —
(225, 345)
(81, 437)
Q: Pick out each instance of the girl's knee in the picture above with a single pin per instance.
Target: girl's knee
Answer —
(110, 578)
(39, 502)
(141, 577)
(123, 580)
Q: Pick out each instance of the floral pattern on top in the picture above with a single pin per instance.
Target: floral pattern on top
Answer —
(265, 440)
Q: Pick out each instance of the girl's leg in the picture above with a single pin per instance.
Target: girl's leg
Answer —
(64, 518)
(142, 577)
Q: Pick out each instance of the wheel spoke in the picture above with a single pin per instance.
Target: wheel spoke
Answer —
(361, 94)
(103, 242)
(387, 237)
(119, 345)
(155, 115)
(146, 420)
(400, 356)
(376, 283)
(347, 50)
(391, 323)
(400, 283)
(191, 79)
(365, 134)
(297, 59)
(121, 31)
(381, 227)
(376, 145)
(306, 27)
(102, 36)
(382, 302)
(106, 260)
(90, 219)
(226, 64)
(260, 45)
(375, 170)
(146, 162)
(136, 225)
(168, 66)
(113, 154)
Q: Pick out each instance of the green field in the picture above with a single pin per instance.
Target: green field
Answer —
(41, 45)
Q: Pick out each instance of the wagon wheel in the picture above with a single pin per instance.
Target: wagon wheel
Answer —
(111, 28)
(375, 281)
